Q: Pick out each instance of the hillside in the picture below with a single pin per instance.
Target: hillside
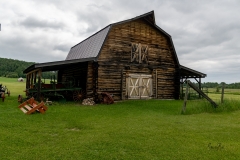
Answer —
(13, 68)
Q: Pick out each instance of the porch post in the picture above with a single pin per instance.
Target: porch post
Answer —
(200, 86)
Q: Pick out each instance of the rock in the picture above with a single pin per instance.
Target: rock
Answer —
(88, 101)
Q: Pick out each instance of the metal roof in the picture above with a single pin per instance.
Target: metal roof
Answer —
(90, 47)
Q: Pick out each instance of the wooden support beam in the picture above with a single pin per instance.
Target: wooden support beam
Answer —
(185, 99)
(222, 95)
(200, 87)
(39, 85)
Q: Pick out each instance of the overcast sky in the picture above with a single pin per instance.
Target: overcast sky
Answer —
(205, 33)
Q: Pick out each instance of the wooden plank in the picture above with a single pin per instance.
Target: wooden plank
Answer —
(45, 107)
(26, 102)
(24, 110)
(41, 110)
(27, 107)
(35, 107)
(22, 105)
(202, 93)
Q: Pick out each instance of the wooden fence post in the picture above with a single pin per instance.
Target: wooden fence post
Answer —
(222, 96)
(185, 99)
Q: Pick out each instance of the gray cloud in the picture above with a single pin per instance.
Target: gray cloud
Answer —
(31, 22)
(205, 33)
(62, 47)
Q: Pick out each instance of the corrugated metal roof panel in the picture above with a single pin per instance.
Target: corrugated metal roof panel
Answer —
(90, 47)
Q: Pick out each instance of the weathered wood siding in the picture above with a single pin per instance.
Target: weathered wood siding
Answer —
(115, 60)
(89, 88)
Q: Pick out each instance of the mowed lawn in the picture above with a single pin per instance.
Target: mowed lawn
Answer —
(141, 129)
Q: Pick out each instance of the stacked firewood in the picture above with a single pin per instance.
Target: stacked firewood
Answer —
(88, 101)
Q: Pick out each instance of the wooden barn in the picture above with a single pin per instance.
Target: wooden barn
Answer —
(131, 59)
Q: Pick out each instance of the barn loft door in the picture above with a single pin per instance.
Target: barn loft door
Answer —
(139, 86)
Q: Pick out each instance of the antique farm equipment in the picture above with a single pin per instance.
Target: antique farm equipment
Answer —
(56, 90)
(4, 89)
(30, 106)
(2, 95)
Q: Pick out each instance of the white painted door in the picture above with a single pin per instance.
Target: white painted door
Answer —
(139, 86)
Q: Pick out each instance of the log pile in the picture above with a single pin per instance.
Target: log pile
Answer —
(88, 101)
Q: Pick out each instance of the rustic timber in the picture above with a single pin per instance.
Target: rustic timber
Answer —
(185, 99)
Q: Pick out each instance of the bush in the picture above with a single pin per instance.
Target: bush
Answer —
(12, 75)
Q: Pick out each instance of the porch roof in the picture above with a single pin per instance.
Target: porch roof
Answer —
(186, 72)
(56, 65)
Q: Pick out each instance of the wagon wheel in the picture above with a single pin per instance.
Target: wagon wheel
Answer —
(78, 95)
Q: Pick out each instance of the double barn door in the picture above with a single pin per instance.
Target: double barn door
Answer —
(139, 86)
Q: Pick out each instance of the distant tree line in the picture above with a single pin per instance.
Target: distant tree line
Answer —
(12, 68)
(219, 85)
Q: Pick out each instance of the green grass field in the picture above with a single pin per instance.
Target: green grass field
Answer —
(140, 129)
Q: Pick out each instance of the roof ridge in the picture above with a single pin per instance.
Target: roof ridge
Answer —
(137, 17)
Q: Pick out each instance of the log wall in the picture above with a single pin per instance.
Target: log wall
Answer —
(89, 83)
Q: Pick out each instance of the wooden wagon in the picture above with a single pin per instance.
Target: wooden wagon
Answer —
(54, 89)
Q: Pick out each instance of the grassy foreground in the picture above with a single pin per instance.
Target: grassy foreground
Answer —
(146, 129)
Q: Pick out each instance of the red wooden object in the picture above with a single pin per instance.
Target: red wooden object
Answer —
(31, 106)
